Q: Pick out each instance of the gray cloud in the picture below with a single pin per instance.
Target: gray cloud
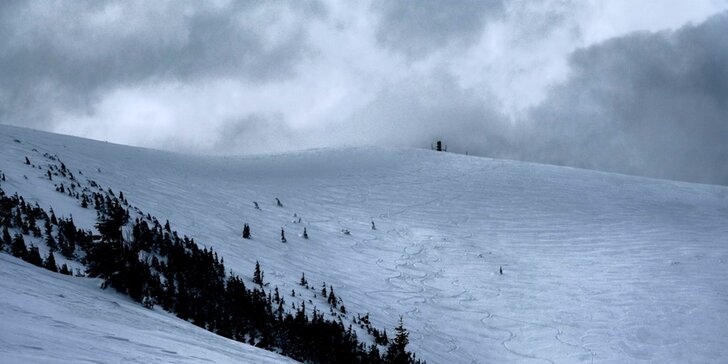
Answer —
(417, 112)
(417, 27)
(69, 53)
(652, 104)
(563, 82)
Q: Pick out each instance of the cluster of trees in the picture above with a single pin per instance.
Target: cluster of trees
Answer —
(61, 235)
(153, 265)
(157, 266)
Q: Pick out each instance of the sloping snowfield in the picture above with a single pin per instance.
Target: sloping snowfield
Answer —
(597, 267)
(52, 318)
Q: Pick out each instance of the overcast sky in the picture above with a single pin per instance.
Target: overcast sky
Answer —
(638, 87)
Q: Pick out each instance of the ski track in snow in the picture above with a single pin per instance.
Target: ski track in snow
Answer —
(598, 267)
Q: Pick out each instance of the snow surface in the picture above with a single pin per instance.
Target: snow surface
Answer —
(51, 318)
(597, 267)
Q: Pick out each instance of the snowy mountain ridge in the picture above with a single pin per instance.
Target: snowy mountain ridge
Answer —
(597, 267)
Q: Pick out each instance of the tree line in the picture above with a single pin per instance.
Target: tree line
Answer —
(153, 265)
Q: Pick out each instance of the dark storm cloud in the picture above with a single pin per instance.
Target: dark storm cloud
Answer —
(494, 78)
(417, 27)
(653, 104)
(69, 53)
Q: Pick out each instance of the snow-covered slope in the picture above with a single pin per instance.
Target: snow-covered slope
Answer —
(596, 267)
(51, 318)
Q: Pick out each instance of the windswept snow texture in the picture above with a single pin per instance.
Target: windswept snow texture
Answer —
(51, 318)
(597, 267)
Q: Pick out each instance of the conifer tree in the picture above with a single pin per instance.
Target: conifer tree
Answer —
(283, 236)
(397, 352)
(258, 274)
(246, 231)
(18, 248)
(33, 256)
(110, 226)
(7, 239)
(68, 248)
(332, 297)
(50, 241)
(32, 227)
(303, 280)
(373, 356)
(50, 263)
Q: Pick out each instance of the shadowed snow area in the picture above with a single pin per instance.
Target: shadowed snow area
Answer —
(597, 267)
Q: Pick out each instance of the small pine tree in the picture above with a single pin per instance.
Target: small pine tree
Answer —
(332, 297)
(18, 248)
(278, 202)
(7, 239)
(50, 263)
(33, 256)
(283, 236)
(258, 274)
(303, 280)
(246, 231)
(397, 352)
(374, 356)
(51, 242)
(27, 161)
